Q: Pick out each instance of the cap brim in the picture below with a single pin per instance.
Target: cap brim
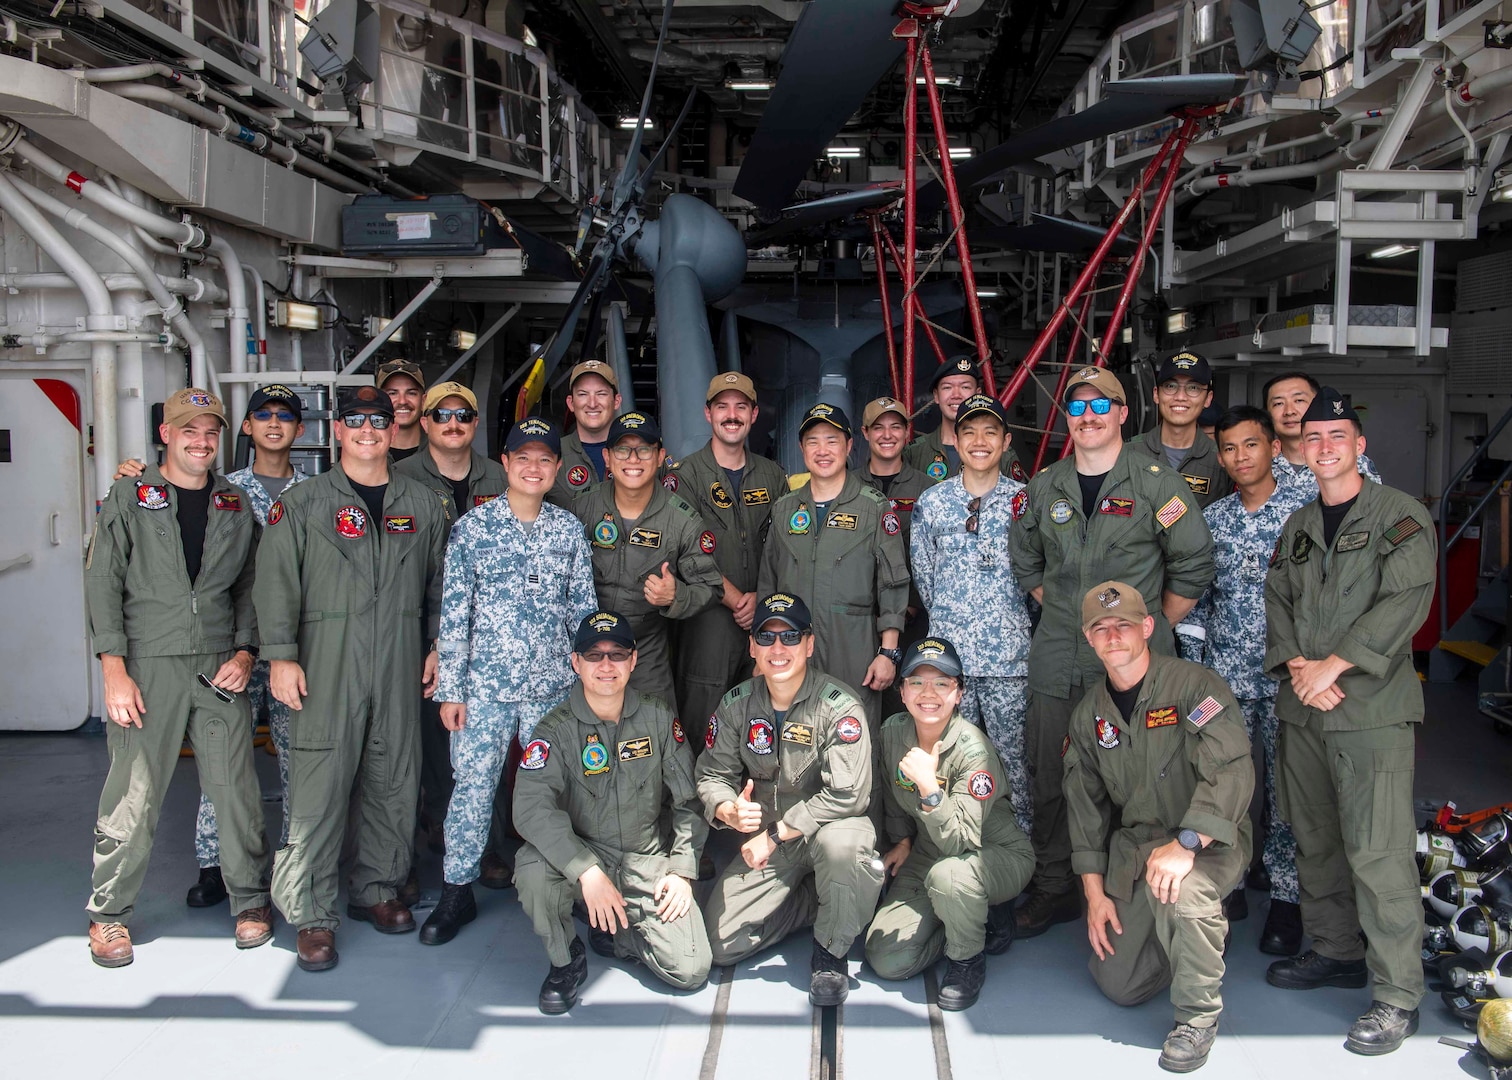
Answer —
(811, 421)
(939, 663)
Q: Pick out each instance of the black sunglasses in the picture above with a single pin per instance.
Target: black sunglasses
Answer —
(771, 637)
(972, 509)
(463, 415)
(357, 419)
(220, 692)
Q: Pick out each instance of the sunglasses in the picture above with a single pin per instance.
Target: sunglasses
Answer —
(766, 638)
(225, 695)
(618, 656)
(1100, 405)
(283, 416)
(357, 419)
(462, 416)
(972, 509)
(640, 453)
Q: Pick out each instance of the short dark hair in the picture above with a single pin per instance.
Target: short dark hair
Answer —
(1244, 414)
(1274, 379)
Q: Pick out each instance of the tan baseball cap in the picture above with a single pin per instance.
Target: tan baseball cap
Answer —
(594, 367)
(874, 410)
(1113, 598)
(1099, 379)
(401, 366)
(731, 380)
(185, 405)
(441, 391)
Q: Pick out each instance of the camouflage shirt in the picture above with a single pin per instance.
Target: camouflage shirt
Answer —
(510, 602)
(257, 495)
(966, 578)
(1287, 473)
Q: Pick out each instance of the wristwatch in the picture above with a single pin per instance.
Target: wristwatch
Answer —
(253, 649)
(1189, 839)
(775, 833)
(895, 655)
(929, 802)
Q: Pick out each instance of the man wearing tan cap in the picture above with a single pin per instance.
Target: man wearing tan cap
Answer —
(463, 478)
(593, 399)
(168, 591)
(733, 491)
(1102, 513)
(1158, 781)
(935, 454)
(405, 386)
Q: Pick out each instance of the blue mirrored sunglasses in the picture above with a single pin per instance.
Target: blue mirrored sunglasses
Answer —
(282, 415)
(1100, 405)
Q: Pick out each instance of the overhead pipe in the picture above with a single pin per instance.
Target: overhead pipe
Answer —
(192, 289)
(147, 240)
(102, 357)
(236, 289)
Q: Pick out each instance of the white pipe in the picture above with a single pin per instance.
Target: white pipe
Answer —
(135, 72)
(195, 290)
(260, 316)
(236, 287)
(1453, 111)
(296, 339)
(1336, 128)
(102, 357)
(149, 241)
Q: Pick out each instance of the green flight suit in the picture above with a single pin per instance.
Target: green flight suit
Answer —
(626, 553)
(576, 477)
(355, 602)
(1147, 531)
(620, 797)
(811, 769)
(713, 652)
(927, 454)
(486, 480)
(141, 606)
(906, 487)
(1199, 468)
(968, 852)
(1181, 760)
(1345, 776)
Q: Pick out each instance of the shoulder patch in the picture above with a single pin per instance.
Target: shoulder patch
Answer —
(848, 729)
(1403, 530)
(980, 784)
(1019, 504)
(1171, 512)
(536, 755)
(1205, 711)
(677, 731)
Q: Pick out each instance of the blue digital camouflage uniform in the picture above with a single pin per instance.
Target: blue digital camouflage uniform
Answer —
(966, 582)
(511, 600)
(1287, 473)
(1225, 630)
(206, 839)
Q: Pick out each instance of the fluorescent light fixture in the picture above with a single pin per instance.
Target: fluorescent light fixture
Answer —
(1391, 251)
(748, 84)
(296, 316)
(958, 152)
(842, 151)
(627, 123)
(463, 339)
(373, 326)
(1503, 194)
(988, 294)
(1127, 335)
(940, 80)
(1178, 322)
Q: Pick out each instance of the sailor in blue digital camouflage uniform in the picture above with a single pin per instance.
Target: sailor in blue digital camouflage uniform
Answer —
(1225, 627)
(965, 577)
(1286, 397)
(519, 580)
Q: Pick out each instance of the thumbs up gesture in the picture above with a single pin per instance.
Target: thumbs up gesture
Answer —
(740, 813)
(661, 589)
(921, 766)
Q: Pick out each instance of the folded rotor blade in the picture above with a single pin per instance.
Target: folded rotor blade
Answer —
(623, 185)
(808, 215)
(1045, 233)
(661, 151)
(561, 341)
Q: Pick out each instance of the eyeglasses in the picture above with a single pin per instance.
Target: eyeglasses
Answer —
(357, 419)
(224, 694)
(1172, 388)
(640, 453)
(972, 508)
(940, 686)
(462, 416)
(1100, 405)
(618, 656)
(282, 415)
(765, 638)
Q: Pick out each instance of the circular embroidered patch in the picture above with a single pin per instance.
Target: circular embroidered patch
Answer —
(980, 784)
(275, 513)
(605, 533)
(902, 781)
(577, 476)
(719, 496)
(1060, 511)
(670, 481)
(936, 470)
(848, 729)
(1019, 504)
(152, 496)
(800, 521)
(536, 755)
(759, 736)
(890, 523)
(351, 522)
(706, 542)
(713, 733)
(677, 731)
(595, 756)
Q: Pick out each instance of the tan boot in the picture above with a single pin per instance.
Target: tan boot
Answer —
(254, 927)
(110, 944)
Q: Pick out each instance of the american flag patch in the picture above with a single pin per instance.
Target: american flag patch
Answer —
(1205, 711)
(1171, 512)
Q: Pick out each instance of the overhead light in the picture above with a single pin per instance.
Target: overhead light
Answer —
(1127, 335)
(1503, 194)
(463, 339)
(842, 151)
(374, 326)
(940, 80)
(958, 152)
(1178, 322)
(296, 316)
(628, 123)
(1391, 251)
(988, 294)
(748, 84)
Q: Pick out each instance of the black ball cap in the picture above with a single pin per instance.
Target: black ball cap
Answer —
(278, 395)
(634, 423)
(825, 413)
(534, 429)
(783, 607)
(368, 399)
(603, 628)
(933, 652)
(1188, 363)
(981, 405)
(1329, 405)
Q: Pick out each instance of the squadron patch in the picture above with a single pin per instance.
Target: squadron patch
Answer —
(1016, 470)
(1302, 546)
(1065, 745)
(937, 469)
(759, 736)
(399, 524)
(677, 732)
(1405, 529)
(275, 513)
(980, 784)
(595, 756)
(1165, 716)
(536, 755)
(706, 542)
(1019, 504)
(1060, 511)
(1205, 711)
(902, 781)
(799, 523)
(848, 729)
(670, 481)
(479, 500)
(632, 749)
(801, 734)
(1200, 485)
(649, 538)
(1171, 512)
(712, 733)
(226, 501)
(1276, 551)
(1116, 506)
(351, 522)
(605, 533)
(719, 496)
(755, 497)
(152, 496)
(1352, 541)
(903, 506)
(577, 476)
(1107, 733)
(891, 524)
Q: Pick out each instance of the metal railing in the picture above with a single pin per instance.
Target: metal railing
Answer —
(1446, 541)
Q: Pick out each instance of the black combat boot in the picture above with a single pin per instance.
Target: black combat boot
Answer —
(963, 982)
(454, 910)
(209, 890)
(829, 979)
(560, 990)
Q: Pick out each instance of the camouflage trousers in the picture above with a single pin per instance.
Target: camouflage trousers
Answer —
(478, 754)
(206, 836)
(1279, 853)
(996, 705)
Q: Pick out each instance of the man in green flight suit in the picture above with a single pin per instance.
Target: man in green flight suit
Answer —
(348, 599)
(593, 399)
(935, 454)
(653, 558)
(606, 804)
(1350, 581)
(1158, 782)
(733, 490)
(1104, 512)
(1183, 388)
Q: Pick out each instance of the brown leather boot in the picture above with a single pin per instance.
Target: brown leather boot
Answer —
(110, 944)
(387, 917)
(254, 927)
(317, 949)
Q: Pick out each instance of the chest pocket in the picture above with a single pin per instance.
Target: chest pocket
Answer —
(800, 763)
